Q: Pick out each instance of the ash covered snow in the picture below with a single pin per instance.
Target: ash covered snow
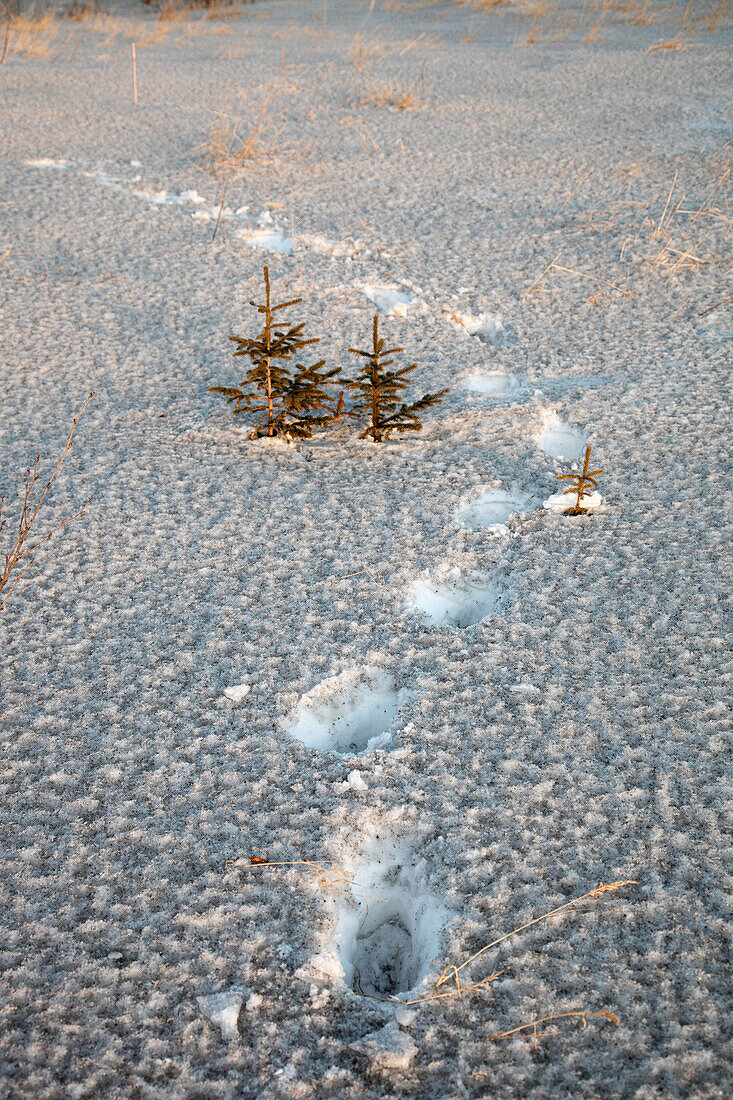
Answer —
(389, 661)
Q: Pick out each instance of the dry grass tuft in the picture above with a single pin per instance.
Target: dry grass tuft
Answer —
(235, 143)
(452, 972)
(582, 1014)
(30, 35)
(642, 223)
(391, 97)
(20, 556)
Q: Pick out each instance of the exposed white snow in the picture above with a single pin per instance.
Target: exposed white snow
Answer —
(559, 439)
(560, 502)
(490, 509)
(237, 693)
(352, 713)
(223, 1009)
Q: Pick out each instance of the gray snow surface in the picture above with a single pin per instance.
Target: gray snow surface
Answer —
(574, 734)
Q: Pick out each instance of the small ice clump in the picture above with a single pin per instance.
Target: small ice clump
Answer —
(389, 1048)
(47, 162)
(488, 328)
(223, 1009)
(388, 298)
(238, 693)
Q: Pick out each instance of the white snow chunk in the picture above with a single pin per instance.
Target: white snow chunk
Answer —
(254, 1002)
(560, 502)
(490, 510)
(349, 714)
(388, 1048)
(47, 162)
(323, 968)
(238, 693)
(524, 688)
(488, 328)
(354, 782)
(496, 384)
(388, 298)
(223, 1009)
(560, 440)
(269, 240)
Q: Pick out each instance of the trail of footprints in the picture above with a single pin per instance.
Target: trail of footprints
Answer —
(387, 925)
(384, 948)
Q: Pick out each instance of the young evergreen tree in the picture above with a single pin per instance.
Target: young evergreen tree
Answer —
(378, 392)
(284, 400)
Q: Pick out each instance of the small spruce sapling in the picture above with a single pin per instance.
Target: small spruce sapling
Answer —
(378, 390)
(580, 482)
(288, 401)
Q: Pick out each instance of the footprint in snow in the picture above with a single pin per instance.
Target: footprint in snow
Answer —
(389, 297)
(490, 510)
(452, 599)
(350, 714)
(388, 930)
(495, 384)
(488, 328)
(560, 440)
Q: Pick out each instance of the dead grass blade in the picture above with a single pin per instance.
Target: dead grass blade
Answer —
(451, 972)
(19, 559)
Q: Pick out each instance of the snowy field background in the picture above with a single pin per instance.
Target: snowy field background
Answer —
(477, 707)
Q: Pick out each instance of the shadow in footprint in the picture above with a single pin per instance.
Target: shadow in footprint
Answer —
(350, 714)
(387, 944)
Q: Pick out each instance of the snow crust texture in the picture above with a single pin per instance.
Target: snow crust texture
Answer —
(439, 708)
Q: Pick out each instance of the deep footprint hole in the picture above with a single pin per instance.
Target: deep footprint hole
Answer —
(389, 932)
(384, 958)
(350, 714)
(457, 601)
(490, 509)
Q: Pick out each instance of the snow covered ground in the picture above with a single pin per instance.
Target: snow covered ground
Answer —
(459, 708)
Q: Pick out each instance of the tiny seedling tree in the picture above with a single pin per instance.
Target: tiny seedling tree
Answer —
(284, 400)
(580, 483)
(378, 391)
